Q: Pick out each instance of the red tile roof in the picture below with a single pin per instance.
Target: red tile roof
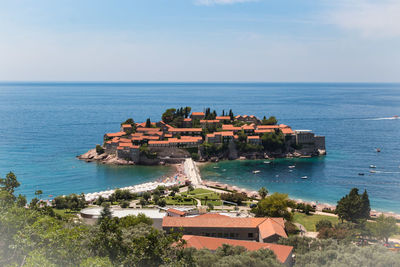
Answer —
(179, 212)
(230, 127)
(227, 133)
(260, 127)
(126, 126)
(248, 127)
(282, 252)
(177, 130)
(187, 119)
(198, 113)
(148, 129)
(253, 137)
(119, 134)
(266, 226)
(223, 118)
(287, 131)
(209, 121)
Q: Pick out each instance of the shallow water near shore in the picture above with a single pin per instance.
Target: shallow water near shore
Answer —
(43, 126)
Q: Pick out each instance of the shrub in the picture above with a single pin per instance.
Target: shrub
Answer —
(323, 224)
(99, 149)
(124, 204)
(291, 229)
(195, 156)
(161, 202)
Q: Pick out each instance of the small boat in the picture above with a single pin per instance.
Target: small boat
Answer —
(293, 166)
(216, 167)
(378, 150)
(372, 166)
(304, 177)
(395, 117)
(256, 171)
(372, 171)
(267, 162)
(361, 173)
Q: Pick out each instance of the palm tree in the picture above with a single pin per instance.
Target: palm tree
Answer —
(263, 192)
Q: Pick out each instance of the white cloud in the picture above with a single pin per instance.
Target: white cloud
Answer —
(371, 19)
(221, 2)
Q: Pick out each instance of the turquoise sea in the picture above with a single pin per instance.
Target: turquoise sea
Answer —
(43, 126)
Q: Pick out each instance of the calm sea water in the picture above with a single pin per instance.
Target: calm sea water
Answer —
(43, 126)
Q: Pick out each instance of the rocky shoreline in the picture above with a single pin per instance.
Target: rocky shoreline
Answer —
(112, 159)
(93, 156)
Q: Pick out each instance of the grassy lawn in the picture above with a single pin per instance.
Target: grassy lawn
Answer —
(171, 201)
(66, 213)
(309, 221)
(214, 202)
(198, 191)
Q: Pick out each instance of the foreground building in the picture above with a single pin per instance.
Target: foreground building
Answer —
(222, 226)
(283, 253)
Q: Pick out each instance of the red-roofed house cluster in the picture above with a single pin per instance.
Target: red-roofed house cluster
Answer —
(192, 131)
(212, 230)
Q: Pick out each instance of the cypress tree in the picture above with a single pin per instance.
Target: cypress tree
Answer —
(148, 123)
(365, 206)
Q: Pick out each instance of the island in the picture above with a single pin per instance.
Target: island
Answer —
(205, 137)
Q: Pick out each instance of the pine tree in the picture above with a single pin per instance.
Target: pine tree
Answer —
(105, 213)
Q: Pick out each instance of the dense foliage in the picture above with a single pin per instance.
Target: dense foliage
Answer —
(275, 205)
(175, 117)
(270, 121)
(273, 141)
(353, 207)
(315, 252)
(237, 198)
(37, 237)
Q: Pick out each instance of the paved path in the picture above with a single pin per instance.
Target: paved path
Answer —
(192, 172)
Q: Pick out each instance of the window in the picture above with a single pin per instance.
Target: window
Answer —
(219, 235)
(231, 235)
(250, 235)
(207, 234)
(213, 234)
(225, 234)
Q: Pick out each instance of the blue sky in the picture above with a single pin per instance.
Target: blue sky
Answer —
(200, 40)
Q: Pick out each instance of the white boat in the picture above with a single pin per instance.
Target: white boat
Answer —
(267, 162)
(304, 177)
(372, 166)
(216, 167)
(372, 171)
(256, 171)
(293, 166)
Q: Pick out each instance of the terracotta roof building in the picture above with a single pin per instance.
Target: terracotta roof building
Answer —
(283, 253)
(198, 115)
(222, 226)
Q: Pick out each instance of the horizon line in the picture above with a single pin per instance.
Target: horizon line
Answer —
(196, 82)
